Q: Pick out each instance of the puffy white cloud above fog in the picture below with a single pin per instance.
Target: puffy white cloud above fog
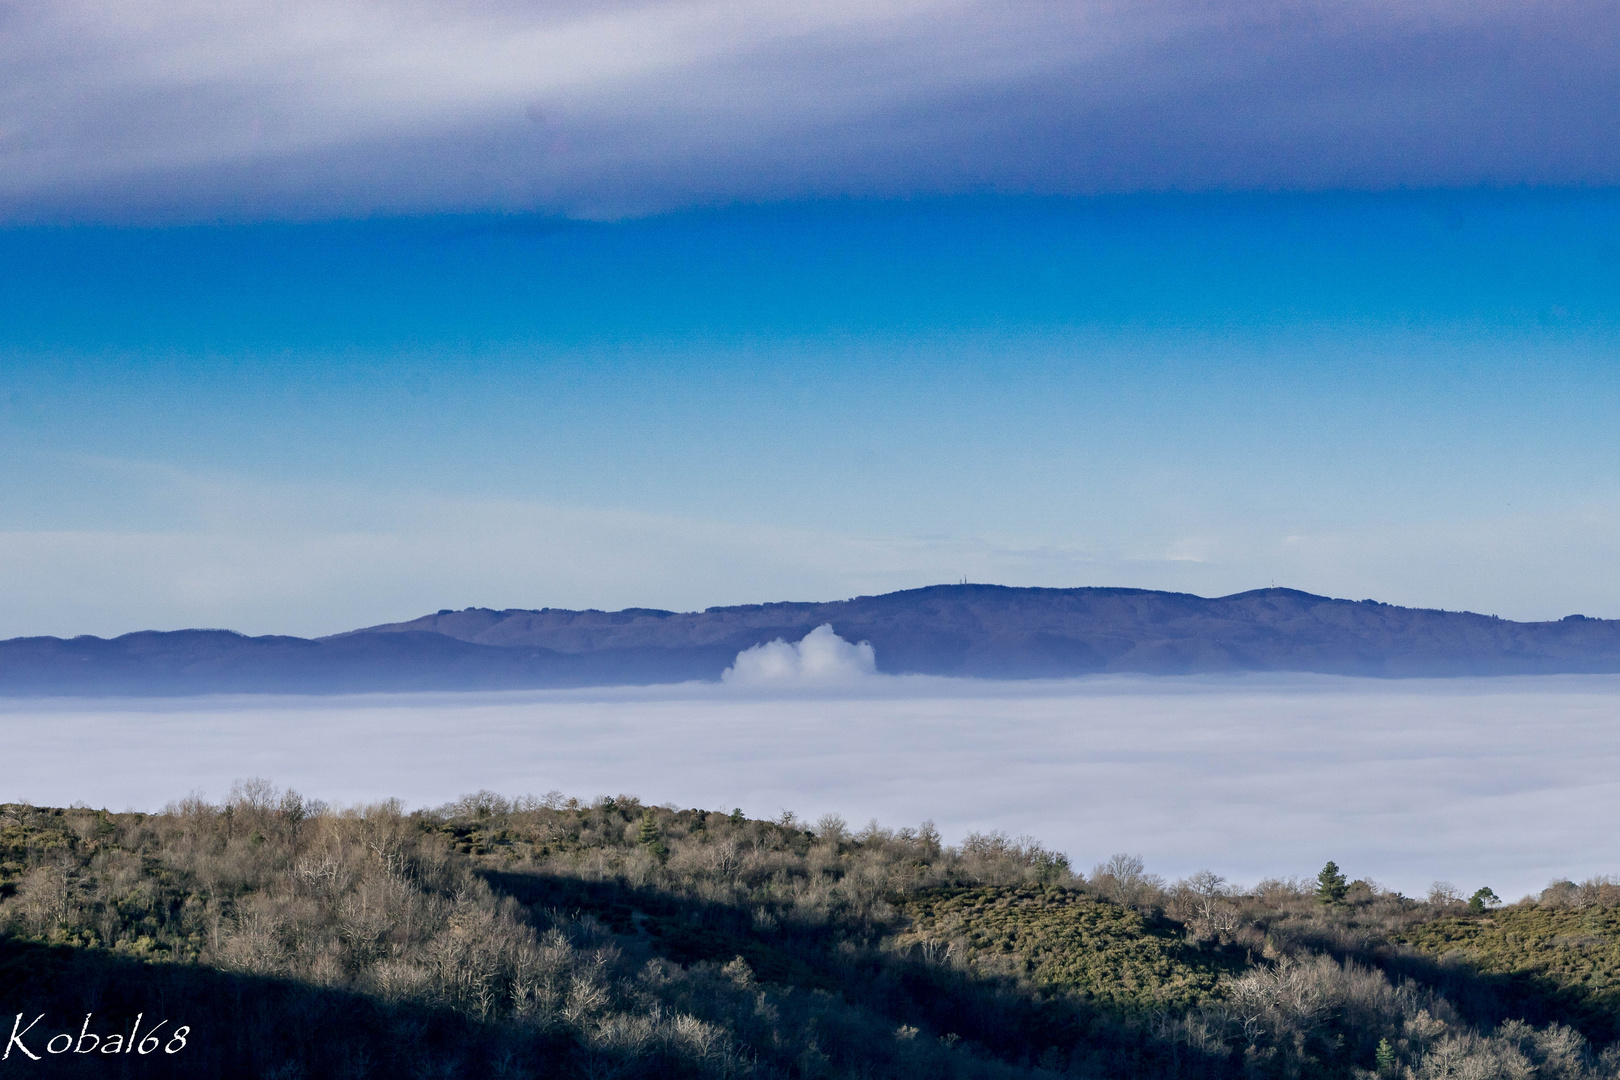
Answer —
(820, 658)
(251, 106)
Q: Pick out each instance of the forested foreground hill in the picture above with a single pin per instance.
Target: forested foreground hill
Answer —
(550, 938)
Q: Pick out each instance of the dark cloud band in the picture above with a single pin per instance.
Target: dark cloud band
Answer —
(257, 109)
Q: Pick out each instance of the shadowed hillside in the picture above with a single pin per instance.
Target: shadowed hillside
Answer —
(497, 938)
(982, 631)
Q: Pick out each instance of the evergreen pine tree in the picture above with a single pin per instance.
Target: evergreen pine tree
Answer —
(1331, 886)
(650, 836)
(1384, 1058)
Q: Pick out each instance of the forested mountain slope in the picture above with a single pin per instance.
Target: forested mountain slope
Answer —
(999, 632)
(958, 630)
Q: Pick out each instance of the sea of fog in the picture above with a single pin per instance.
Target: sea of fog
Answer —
(1507, 782)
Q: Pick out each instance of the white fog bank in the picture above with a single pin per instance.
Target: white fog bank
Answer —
(1505, 782)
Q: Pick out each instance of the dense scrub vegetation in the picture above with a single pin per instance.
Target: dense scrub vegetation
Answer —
(552, 938)
(1063, 939)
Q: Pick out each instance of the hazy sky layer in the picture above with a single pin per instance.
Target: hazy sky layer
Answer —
(309, 427)
(1509, 783)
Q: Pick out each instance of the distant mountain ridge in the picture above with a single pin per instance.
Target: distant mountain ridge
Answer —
(986, 631)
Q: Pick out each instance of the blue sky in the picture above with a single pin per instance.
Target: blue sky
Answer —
(302, 427)
(322, 315)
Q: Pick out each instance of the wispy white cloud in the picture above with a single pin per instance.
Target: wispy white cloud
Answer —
(458, 552)
(312, 559)
(298, 108)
